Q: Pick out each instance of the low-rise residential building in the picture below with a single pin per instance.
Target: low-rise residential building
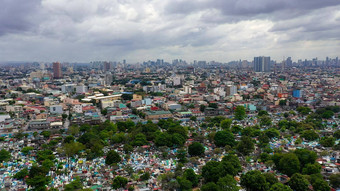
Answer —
(154, 115)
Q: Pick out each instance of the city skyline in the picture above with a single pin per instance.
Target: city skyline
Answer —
(72, 31)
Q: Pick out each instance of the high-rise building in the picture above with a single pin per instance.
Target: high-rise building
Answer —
(262, 64)
(107, 66)
(289, 62)
(231, 90)
(108, 79)
(283, 65)
(57, 70)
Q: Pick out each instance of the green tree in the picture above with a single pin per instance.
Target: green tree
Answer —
(263, 140)
(262, 113)
(73, 148)
(118, 138)
(193, 118)
(4, 155)
(327, 114)
(327, 141)
(309, 135)
(226, 123)
(21, 174)
(298, 182)
(73, 130)
(47, 164)
(337, 134)
(305, 156)
(184, 183)
(196, 149)
(26, 150)
(103, 111)
(265, 120)
(289, 164)
(298, 141)
(37, 178)
(249, 131)
(112, 157)
(254, 180)
(69, 139)
(145, 176)
(168, 181)
(127, 148)
(230, 164)
(46, 134)
(272, 133)
(245, 146)
(283, 102)
(64, 116)
(280, 187)
(236, 129)
(43, 155)
(177, 139)
(178, 129)
(210, 186)
(334, 180)
(320, 185)
(139, 140)
(163, 139)
(227, 183)
(240, 112)
(182, 156)
(119, 182)
(304, 110)
(213, 105)
(211, 171)
(270, 178)
(286, 115)
(312, 169)
(265, 157)
(202, 108)
(76, 184)
(190, 175)
(223, 138)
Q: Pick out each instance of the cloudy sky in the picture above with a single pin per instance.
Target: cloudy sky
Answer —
(138, 30)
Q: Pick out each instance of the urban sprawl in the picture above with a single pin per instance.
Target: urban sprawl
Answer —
(245, 125)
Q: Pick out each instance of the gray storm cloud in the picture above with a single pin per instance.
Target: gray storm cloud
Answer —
(137, 30)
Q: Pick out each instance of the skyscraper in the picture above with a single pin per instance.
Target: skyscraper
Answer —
(107, 66)
(57, 70)
(289, 62)
(262, 64)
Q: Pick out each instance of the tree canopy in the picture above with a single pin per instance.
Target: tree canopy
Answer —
(240, 112)
(4, 155)
(196, 149)
(298, 182)
(254, 180)
(112, 157)
(119, 182)
(223, 138)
